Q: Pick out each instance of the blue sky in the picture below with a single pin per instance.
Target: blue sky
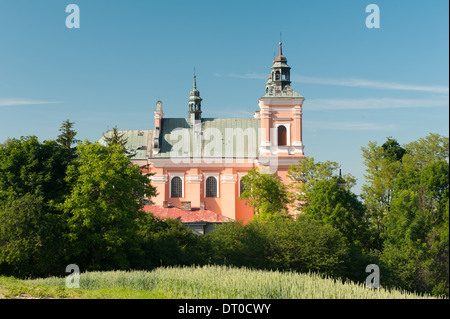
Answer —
(360, 84)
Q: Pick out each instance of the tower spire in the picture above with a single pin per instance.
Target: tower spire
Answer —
(195, 102)
(195, 80)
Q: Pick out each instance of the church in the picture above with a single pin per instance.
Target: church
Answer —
(198, 162)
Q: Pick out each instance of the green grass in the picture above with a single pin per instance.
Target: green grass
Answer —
(208, 282)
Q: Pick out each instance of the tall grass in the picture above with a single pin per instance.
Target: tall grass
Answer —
(221, 282)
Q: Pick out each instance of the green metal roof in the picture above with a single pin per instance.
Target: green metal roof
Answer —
(138, 141)
(211, 138)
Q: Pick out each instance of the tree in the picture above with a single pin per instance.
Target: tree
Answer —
(29, 247)
(67, 137)
(266, 194)
(407, 197)
(307, 173)
(392, 150)
(383, 164)
(31, 186)
(337, 206)
(430, 148)
(166, 243)
(416, 240)
(117, 139)
(107, 194)
(29, 166)
(300, 245)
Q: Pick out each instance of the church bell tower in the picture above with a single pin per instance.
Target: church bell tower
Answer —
(195, 104)
(280, 111)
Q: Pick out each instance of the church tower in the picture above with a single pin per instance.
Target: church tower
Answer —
(280, 111)
(195, 104)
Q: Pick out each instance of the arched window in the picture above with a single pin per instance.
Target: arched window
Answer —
(282, 135)
(277, 75)
(211, 187)
(176, 187)
(241, 187)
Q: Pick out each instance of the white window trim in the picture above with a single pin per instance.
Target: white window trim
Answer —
(240, 175)
(288, 134)
(172, 175)
(216, 176)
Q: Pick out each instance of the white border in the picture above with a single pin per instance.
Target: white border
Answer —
(216, 176)
(172, 175)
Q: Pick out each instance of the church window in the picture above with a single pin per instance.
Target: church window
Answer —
(176, 187)
(282, 135)
(241, 187)
(211, 187)
(277, 75)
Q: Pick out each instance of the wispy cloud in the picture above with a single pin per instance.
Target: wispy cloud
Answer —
(372, 84)
(370, 103)
(351, 82)
(20, 101)
(349, 126)
(233, 113)
(251, 76)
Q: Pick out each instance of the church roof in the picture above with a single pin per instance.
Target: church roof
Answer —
(216, 139)
(139, 142)
(192, 216)
(213, 135)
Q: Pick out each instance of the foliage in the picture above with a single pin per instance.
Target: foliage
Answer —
(383, 167)
(106, 195)
(165, 243)
(67, 137)
(31, 186)
(29, 239)
(29, 166)
(307, 173)
(416, 238)
(339, 207)
(266, 194)
(407, 196)
(302, 245)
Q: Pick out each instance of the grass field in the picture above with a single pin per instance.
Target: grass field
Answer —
(208, 282)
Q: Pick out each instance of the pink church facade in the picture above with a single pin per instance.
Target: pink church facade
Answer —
(198, 163)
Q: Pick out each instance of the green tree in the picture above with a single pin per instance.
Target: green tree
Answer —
(118, 139)
(416, 242)
(285, 244)
(67, 137)
(166, 243)
(29, 166)
(392, 150)
(337, 206)
(31, 186)
(107, 194)
(307, 173)
(409, 186)
(266, 194)
(382, 167)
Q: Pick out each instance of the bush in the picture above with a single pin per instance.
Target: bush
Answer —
(301, 245)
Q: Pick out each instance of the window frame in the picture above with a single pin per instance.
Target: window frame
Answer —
(171, 177)
(288, 134)
(206, 176)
